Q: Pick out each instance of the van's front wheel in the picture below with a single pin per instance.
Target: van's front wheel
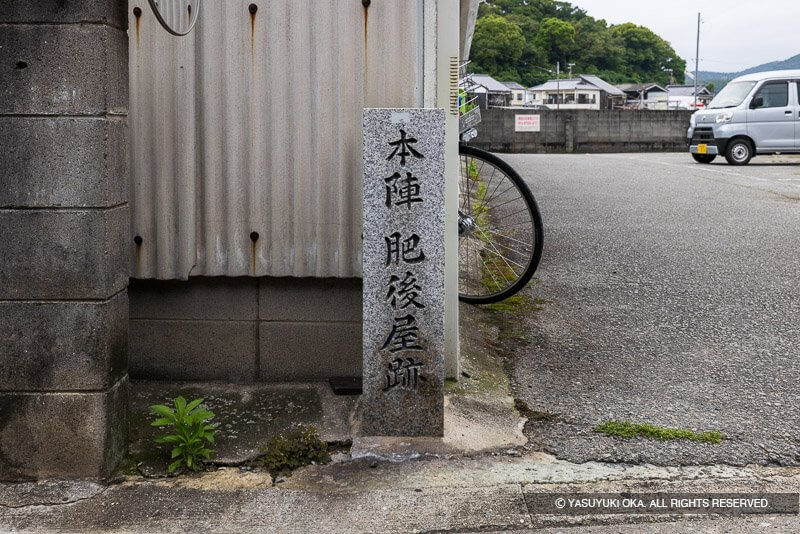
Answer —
(739, 152)
(704, 158)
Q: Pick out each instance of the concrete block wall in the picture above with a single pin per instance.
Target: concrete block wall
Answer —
(245, 329)
(584, 131)
(63, 231)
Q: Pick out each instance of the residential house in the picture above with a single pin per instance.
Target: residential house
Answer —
(491, 93)
(585, 92)
(644, 95)
(682, 96)
(519, 95)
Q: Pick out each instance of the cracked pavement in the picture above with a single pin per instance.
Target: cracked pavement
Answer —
(490, 492)
(673, 295)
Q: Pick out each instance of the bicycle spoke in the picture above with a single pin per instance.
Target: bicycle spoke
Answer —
(512, 186)
(498, 271)
(495, 187)
(508, 201)
(511, 225)
(469, 191)
(491, 179)
(488, 270)
(504, 257)
(506, 237)
(512, 214)
(505, 260)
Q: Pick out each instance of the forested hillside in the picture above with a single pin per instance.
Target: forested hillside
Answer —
(516, 40)
(719, 79)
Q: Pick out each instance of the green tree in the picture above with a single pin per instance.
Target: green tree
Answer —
(595, 47)
(557, 38)
(497, 47)
(518, 39)
(645, 55)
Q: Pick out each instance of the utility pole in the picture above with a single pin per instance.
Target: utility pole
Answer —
(558, 85)
(696, 61)
(570, 65)
(671, 82)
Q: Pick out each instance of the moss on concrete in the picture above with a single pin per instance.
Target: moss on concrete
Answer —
(482, 365)
(628, 430)
(520, 303)
(294, 449)
(511, 315)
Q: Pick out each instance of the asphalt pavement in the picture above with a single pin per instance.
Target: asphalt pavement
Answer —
(673, 292)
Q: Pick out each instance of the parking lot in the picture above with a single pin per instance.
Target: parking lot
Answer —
(672, 296)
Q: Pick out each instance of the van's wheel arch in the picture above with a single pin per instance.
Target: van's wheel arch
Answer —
(739, 151)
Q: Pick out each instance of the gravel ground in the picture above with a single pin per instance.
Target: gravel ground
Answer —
(673, 300)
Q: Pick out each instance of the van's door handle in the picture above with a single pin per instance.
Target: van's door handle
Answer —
(787, 112)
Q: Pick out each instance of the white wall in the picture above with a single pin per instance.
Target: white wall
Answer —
(542, 98)
(517, 97)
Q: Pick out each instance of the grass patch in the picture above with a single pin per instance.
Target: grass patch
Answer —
(788, 196)
(489, 380)
(628, 430)
(472, 170)
(519, 303)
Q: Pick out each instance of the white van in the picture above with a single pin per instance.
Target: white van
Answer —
(753, 115)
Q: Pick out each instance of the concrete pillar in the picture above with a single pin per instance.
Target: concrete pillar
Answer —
(468, 16)
(441, 91)
(569, 135)
(64, 224)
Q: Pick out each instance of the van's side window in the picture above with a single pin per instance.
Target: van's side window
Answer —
(775, 95)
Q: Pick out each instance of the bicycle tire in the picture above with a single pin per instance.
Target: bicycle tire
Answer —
(536, 222)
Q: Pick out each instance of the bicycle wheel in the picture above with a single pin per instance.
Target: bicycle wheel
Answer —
(499, 229)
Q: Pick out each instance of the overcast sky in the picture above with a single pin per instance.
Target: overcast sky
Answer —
(735, 34)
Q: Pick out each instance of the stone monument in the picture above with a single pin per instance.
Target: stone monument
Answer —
(403, 268)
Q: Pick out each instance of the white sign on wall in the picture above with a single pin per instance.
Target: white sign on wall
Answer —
(527, 123)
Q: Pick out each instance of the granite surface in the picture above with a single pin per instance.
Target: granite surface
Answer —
(403, 267)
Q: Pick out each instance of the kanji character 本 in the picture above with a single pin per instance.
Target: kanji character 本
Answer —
(405, 189)
(404, 335)
(403, 147)
(404, 373)
(404, 292)
(398, 248)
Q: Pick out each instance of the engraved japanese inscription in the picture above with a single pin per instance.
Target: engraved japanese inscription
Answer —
(403, 269)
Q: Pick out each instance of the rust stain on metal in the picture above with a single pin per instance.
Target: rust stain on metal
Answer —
(366, 4)
(252, 9)
(137, 12)
(254, 238)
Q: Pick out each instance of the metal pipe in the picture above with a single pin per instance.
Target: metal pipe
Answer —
(558, 85)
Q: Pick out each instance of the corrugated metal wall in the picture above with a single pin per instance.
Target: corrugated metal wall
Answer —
(252, 124)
